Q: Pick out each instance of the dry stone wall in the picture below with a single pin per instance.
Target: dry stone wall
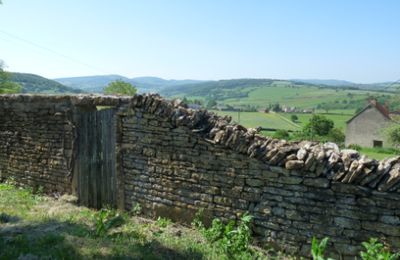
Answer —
(174, 161)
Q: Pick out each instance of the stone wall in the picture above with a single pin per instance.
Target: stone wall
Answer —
(36, 141)
(175, 161)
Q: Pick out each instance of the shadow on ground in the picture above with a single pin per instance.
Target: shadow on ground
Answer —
(52, 239)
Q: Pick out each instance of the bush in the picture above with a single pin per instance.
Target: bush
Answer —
(336, 135)
(281, 134)
(294, 118)
(376, 251)
(354, 147)
(393, 134)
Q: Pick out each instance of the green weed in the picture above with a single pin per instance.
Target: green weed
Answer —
(376, 251)
(104, 220)
(318, 248)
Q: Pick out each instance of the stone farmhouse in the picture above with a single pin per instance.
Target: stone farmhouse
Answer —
(366, 128)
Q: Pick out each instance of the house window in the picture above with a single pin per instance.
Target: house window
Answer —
(377, 143)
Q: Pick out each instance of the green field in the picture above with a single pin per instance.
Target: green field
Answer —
(298, 96)
(256, 119)
(280, 120)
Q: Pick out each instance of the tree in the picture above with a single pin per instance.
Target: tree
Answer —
(393, 135)
(211, 103)
(120, 87)
(336, 135)
(318, 125)
(294, 118)
(7, 86)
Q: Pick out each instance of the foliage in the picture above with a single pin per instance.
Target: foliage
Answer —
(281, 134)
(234, 238)
(276, 107)
(376, 251)
(211, 103)
(294, 118)
(51, 228)
(318, 248)
(336, 135)
(6, 85)
(32, 83)
(104, 220)
(318, 125)
(120, 87)
(136, 210)
(393, 135)
(163, 222)
(354, 147)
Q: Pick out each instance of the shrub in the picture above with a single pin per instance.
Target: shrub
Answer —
(336, 135)
(234, 237)
(281, 134)
(376, 251)
(354, 147)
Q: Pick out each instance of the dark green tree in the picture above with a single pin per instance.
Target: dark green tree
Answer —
(120, 87)
(318, 125)
(336, 135)
(294, 118)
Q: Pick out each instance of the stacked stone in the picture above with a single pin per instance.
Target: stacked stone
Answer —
(174, 160)
(177, 160)
(36, 141)
(346, 166)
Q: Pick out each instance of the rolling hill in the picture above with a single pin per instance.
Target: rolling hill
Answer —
(32, 83)
(144, 84)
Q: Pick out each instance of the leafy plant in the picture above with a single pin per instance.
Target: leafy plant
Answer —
(104, 220)
(136, 210)
(376, 251)
(234, 238)
(163, 222)
(318, 248)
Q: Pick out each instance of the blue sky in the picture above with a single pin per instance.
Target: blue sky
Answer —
(354, 40)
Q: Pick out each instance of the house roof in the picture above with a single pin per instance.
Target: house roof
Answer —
(373, 103)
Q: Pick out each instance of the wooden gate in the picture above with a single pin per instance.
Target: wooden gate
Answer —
(95, 162)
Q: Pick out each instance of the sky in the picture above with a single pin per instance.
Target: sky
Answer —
(354, 40)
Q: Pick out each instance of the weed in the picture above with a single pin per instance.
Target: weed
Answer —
(136, 210)
(163, 222)
(233, 238)
(376, 251)
(318, 248)
(104, 220)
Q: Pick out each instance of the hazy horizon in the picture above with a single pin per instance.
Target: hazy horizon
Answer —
(355, 41)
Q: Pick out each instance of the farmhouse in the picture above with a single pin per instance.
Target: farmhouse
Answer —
(366, 128)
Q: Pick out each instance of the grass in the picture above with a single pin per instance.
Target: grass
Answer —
(379, 153)
(34, 226)
(281, 120)
(299, 96)
(256, 119)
